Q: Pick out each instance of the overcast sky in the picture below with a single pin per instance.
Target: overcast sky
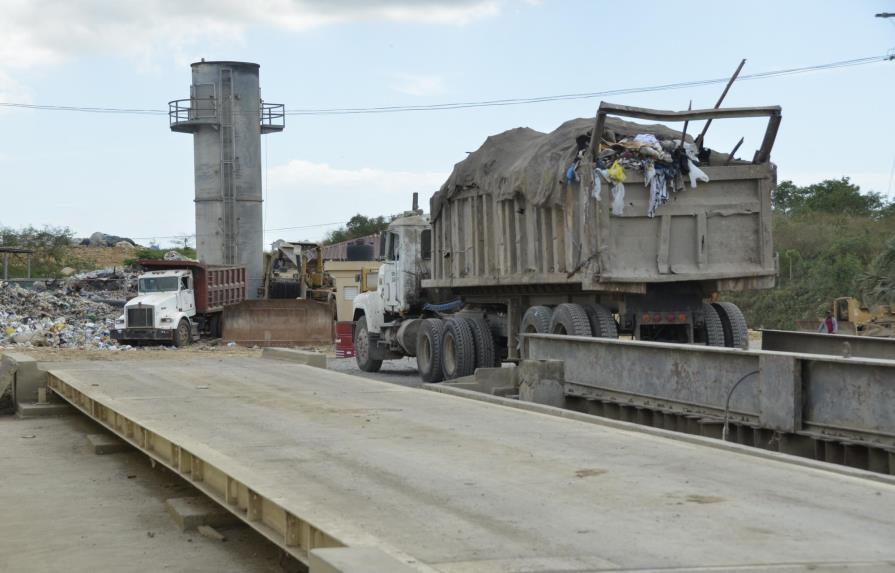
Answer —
(130, 175)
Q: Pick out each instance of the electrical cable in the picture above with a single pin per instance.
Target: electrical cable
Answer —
(488, 103)
(724, 430)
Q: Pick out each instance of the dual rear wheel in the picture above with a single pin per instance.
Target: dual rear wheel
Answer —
(453, 348)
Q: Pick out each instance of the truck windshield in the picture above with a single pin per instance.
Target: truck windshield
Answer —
(158, 284)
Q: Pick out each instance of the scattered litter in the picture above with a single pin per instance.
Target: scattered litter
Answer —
(59, 318)
(202, 387)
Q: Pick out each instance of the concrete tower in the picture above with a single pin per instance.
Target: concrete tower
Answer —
(226, 116)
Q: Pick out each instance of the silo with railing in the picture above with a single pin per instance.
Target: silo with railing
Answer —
(227, 117)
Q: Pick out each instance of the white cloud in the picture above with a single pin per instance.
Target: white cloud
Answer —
(304, 193)
(40, 32)
(418, 85)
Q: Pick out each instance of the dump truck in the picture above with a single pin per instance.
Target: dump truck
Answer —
(177, 301)
(529, 235)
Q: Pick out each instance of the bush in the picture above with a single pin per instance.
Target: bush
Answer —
(828, 236)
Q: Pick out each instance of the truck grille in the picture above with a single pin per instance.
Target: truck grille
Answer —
(139, 317)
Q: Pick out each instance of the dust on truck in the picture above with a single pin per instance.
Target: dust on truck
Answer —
(559, 233)
(178, 301)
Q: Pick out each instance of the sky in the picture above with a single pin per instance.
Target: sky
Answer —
(130, 175)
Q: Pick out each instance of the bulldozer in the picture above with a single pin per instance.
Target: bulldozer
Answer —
(857, 319)
(297, 305)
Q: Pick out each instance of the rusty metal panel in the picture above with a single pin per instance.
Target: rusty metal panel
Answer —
(282, 322)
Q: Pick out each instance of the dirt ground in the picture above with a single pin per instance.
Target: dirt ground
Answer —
(89, 258)
(68, 509)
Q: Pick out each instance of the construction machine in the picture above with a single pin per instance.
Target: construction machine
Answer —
(856, 318)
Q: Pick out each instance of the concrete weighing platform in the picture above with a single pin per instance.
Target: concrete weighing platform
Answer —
(319, 459)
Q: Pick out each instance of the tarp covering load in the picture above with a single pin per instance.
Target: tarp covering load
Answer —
(526, 162)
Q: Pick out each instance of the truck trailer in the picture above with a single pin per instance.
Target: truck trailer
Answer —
(179, 300)
(567, 233)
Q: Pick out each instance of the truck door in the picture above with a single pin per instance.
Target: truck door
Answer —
(186, 301)
(388, 273)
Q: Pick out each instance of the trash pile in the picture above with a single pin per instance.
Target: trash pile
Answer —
(112, 285)
(59, 317)
(664, 164)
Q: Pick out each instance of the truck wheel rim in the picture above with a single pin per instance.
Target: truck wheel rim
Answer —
(362, 345)
(425, 351)
(450, 355)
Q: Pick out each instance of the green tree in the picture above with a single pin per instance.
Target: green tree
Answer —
(838, 196)
(50, 246)
(358, 226)
(832, 241)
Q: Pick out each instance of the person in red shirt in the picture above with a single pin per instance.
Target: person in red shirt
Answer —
(829, 324)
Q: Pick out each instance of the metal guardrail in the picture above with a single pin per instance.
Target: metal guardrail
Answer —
(273, 117)
(832, 344)
(191, 111)
(846, 399)
(186, 110)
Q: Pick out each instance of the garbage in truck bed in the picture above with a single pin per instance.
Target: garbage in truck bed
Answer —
(538, 165)
(665, 163)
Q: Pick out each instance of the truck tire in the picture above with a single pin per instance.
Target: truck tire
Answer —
(602, 323)
(183, 335)
(570, 319)
(714, 328)
(485, 355)
(362, 348)
(736, 333)
(457, 349)
(536, 320)
(428, 350)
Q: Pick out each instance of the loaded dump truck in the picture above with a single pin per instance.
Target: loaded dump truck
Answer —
(179, 300)
(633, 232)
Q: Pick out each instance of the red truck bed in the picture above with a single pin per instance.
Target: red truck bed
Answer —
(215, 286)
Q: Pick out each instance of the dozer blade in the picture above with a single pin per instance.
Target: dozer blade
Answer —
(281, 322)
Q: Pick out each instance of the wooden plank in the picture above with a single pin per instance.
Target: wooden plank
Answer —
(690, 115)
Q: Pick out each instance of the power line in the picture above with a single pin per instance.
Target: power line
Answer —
(488, 103)
(591, 95)
(194, 235)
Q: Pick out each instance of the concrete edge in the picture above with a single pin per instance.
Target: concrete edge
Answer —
(306, 357)
(662, 433)
(28, 380)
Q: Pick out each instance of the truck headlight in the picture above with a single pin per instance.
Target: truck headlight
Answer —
(119, 321)
(167, 319)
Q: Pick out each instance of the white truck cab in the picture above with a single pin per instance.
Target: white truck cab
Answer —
(162, 310)
(378, 315)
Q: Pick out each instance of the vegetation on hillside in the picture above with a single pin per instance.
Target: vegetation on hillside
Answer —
(50, 246)
(832, 241)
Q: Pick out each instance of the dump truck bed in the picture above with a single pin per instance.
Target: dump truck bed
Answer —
(214, 286)
(506, 216)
